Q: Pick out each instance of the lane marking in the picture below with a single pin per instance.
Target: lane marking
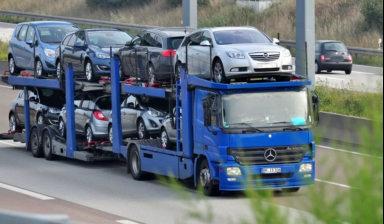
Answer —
(11, 144)
(346, 151)
(6, 87)
(368, 73)
(126, 222)
(25, 192)
(323, 77)
(336, 184)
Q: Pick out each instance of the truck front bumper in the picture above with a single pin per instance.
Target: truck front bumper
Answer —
(253, 178)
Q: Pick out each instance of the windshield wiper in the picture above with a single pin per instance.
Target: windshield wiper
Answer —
(291, 126)
(251, 128)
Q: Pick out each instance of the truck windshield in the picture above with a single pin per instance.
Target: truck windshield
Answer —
(267, 109)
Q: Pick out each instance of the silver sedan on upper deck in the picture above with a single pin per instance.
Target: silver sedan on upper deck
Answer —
(237, 52)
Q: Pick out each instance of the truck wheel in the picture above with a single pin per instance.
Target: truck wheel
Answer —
(34, 144)
(135, 164)
(209, 189)
(291, 190)
(47, 146)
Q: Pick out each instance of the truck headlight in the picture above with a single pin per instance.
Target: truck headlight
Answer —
(236, 55)
(50, 53)
(234, 171)
(287, 53)
(306, 168)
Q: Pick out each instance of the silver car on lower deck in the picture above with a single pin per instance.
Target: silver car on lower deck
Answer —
(168, 133)
(237, 52)
(141, 117)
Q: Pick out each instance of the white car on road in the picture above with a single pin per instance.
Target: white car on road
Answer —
(237, 52)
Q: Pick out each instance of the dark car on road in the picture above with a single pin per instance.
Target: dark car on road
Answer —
(89, 51)
(150, 54)
(45, 106)
(332, 56)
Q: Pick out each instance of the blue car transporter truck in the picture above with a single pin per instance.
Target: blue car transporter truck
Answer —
(230, 137)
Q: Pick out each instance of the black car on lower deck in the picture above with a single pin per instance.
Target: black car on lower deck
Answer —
(45, 106)
(150, 54)
(333, 56)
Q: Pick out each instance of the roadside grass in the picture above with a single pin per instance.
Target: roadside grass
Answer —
(368, 60)
(3, 51)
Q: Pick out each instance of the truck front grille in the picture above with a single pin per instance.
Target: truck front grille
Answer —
(260, 156)
(272, 176)
(265, 57)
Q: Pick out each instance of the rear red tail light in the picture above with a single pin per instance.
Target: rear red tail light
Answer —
(349, 58)
(99, 115)
(169, 53)
(323, 58)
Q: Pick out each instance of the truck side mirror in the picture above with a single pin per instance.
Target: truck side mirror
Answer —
(207, 117)
(316, 109)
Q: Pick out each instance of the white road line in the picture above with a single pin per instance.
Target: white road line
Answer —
(336, 184)
(126, 222)
(11, 144)
(25, 192)
(323, 77)
(6, 87)
(346, 151)
(368, 73)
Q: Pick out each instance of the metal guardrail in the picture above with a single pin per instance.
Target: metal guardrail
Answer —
(18, 218)
(289, 43)
(352, 50)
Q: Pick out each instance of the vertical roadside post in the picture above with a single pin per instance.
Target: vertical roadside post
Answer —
(190, 13)
(305, 39)
(27, 117)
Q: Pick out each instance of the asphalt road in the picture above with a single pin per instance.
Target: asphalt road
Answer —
(102, 192)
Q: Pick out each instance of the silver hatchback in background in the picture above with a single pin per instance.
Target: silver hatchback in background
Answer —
(91, 121)
(141, 117)
(237, 52)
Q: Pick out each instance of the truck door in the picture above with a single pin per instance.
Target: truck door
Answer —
(209, 120)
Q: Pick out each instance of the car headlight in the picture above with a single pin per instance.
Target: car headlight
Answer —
(236, 55)
(287, 53)
(50, 53)
(155, 113)
(53, 111)
(234, 171)
(103, 56)
(306, 168)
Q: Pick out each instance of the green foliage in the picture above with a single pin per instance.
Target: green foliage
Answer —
(3, 51)
(114, 4)
(373, 13)
(179, 2)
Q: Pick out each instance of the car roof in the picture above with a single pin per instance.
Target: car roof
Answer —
(228, 28)
(171, 31)
(48, 23)
(101, 30)
(328, 41)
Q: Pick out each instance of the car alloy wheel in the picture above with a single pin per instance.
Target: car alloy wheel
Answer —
(40, 119)
(11, 65)
(62, 128)
(89, 71)
(12, 123)
(111, 134)
(151, 75)
(164, 139)
(89, 134)
(58, 71)
(218, 72)
(39, 68)
(141, 130)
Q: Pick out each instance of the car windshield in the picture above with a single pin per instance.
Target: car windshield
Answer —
(267, 109)
(241, 37)
(155, 103)
(335, 47)
(108, 38)
(54, 34)
(105, 103)
(52, 98)
(174, 43)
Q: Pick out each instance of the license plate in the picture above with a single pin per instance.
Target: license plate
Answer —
(267, 65)
(272, 170)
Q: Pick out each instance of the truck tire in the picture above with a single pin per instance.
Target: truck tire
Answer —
(291, 190)
(47, 146)
(205, 182)
(34, 144)
(135, 164)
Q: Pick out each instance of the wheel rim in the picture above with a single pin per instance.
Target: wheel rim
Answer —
(88, 71)
(151, 73)
(12, 123)
(218, 72)
(178, 70)
(11, 65)
(89, 134)
(135, 163)
(120, 71)
(62, 127)
(164, 139)
(141, 130)
(39, 68)
(316, 67)
(47, 145)
(34, 142)
(205, 177)
(58, 70)
(110, 134)
(40, 120)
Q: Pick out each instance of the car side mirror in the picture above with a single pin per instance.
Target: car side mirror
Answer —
(207, 116)
(131, 105)
(129, 44)
(205, 43)
(32, 99)
(29, 42)
(316, 109)
(276, 41)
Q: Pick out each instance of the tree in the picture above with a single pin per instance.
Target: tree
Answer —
(373, 13)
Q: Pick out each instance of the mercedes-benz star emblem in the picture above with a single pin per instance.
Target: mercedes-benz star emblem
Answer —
(266, 55)
(270, 155)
